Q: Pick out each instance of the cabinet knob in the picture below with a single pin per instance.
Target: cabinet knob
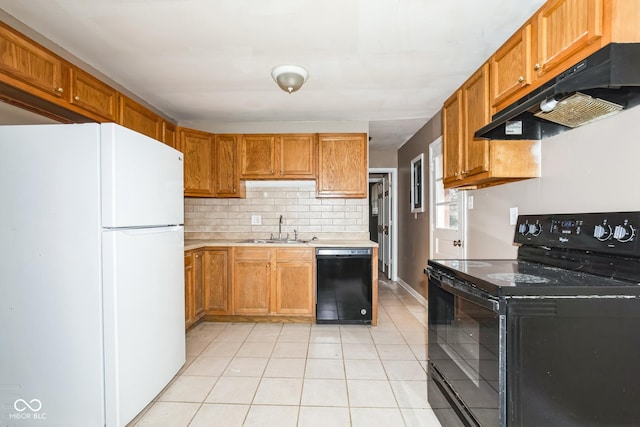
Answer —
(76, 98)
(520, 79)
(59, 90)
(536, 67)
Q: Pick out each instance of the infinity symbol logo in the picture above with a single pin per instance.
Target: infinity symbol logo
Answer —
(21, 405)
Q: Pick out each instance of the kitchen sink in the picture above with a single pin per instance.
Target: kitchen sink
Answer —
(274, 241)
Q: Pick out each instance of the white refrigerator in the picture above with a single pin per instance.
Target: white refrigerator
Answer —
(91, 274)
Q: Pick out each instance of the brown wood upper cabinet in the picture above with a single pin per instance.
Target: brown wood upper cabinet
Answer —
(30, 67)
(92, 95)
(559, 35)
(470, 162)
(342, 165)
(278, 156)
(134, 116)
(198, 150)
(227, 163)
(169, 134)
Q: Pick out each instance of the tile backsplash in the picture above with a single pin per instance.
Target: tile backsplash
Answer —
(324, 218)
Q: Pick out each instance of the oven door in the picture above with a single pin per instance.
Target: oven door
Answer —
(466, 352)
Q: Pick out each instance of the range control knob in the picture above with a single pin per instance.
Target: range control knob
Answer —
(624, 233)
(602, 232)
(535, 229)
(523, 228)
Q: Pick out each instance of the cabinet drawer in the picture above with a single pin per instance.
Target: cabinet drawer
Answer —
(252, 254)
(294, 254)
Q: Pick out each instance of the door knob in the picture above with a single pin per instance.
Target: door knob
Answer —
(457, 243)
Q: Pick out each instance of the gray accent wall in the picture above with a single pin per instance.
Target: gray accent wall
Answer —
(413, 229)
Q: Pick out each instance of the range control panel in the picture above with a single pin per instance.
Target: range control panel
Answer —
(611, 232)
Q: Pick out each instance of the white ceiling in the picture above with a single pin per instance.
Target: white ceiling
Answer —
(387, 62)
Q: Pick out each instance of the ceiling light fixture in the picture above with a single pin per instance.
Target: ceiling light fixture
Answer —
(290, 78)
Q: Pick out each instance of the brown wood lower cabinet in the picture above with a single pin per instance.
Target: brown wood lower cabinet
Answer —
(193, 286)
(294, 282)
(217, 284)
(251, 281)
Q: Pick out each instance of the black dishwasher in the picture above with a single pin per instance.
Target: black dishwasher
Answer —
(343, 285)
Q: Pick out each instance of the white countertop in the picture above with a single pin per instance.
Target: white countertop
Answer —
(190, 244)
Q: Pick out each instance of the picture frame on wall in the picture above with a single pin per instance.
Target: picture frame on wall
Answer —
(417, 187)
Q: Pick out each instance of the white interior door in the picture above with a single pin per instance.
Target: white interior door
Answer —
(386, 225)
(447, 207)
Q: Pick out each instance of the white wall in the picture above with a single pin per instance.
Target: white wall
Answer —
(593, 168)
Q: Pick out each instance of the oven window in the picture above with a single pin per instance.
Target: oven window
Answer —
(464, 346)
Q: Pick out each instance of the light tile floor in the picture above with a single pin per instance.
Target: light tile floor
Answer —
(305, 375)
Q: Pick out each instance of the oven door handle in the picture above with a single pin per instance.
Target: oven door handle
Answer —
(466, 293)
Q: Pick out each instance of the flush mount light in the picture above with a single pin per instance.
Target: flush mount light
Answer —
(290, 78)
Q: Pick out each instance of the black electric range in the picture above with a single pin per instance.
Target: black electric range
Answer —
(549, 338)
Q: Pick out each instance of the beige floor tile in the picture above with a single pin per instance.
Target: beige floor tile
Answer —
(356, 334)
(388, 336)
(319, 416)
(324, 351)
(328, 334)
(285, 368)
(168, 414)
(395, 352)
(279, 391)
(267, 332)
(415, 336)
(371, 394)
(420, 418)
(255, 349)
(325, 369)
(295, 335)
(410, 394)
(290, 349)
(235, 332)
(271, 416)
(233, 390)
(208, 366)
(404, 370)
(320, 392)
(376, 417)
(217, 414)
(222, 348)
(364, 370)
(359, 351)
(419, 350)
(188, 389)
(195, 345)
(246, 367)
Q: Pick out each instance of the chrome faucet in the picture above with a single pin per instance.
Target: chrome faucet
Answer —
(280, 228)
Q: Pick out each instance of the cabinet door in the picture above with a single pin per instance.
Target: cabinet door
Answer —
(258, 156)
(92, 95)
(452, 138)
(475, 98)
(342, 166)
(567, 27)
(251, 281)
(216, 281)
(511, 70)
(31, 64)
(297, 156)
(294, 282)
(197, 148)
(227, 175)
(198, 286)
(136, 117)
(189, 307)
(169, 135)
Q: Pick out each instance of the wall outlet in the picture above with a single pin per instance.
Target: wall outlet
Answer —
(513, 216)
(256, 220)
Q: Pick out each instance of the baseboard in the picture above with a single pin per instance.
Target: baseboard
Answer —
(412, 292)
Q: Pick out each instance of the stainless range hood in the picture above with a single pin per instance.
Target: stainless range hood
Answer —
(604, 83)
